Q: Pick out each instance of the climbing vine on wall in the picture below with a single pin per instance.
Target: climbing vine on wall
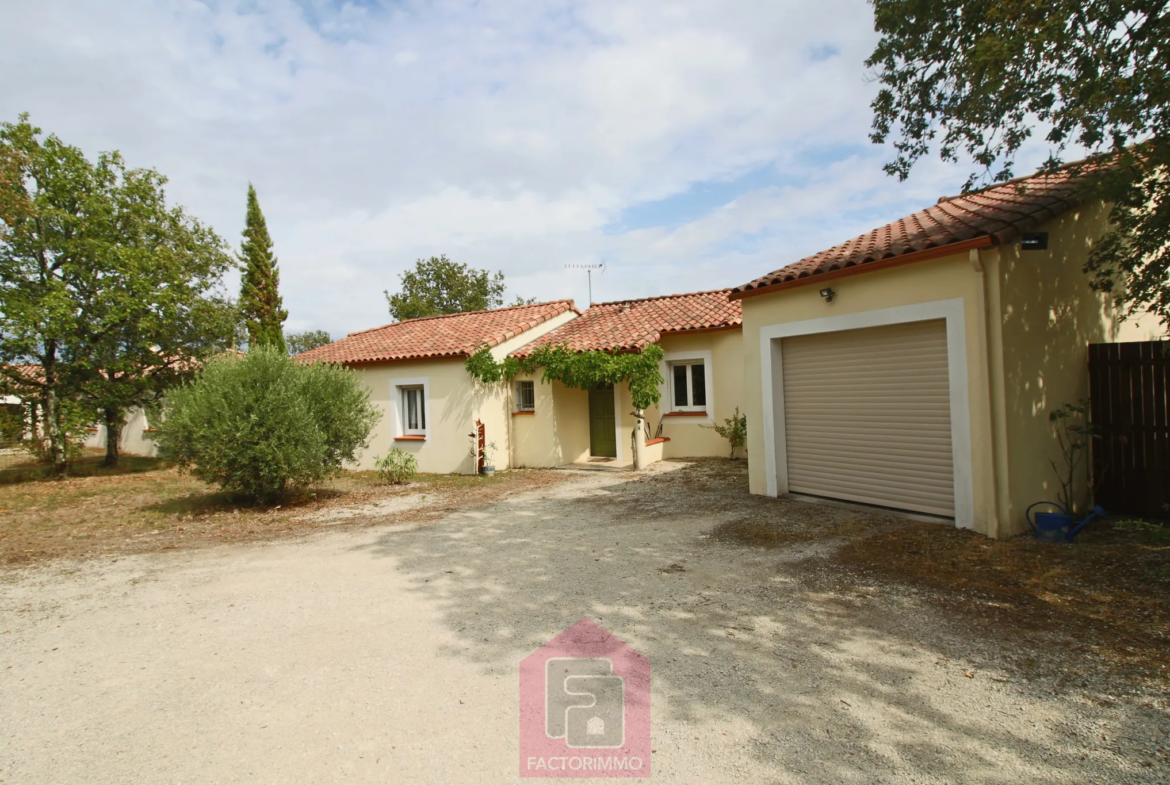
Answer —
(581, 370)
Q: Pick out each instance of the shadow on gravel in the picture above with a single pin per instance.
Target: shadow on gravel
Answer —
(835, 685)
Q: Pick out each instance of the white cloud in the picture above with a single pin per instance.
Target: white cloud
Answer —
(509, 136)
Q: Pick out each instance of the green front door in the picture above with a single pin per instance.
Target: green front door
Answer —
(602, 439)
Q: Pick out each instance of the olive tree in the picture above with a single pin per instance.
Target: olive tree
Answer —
(264, 424)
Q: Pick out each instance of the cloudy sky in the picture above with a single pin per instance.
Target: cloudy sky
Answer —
(686, 145)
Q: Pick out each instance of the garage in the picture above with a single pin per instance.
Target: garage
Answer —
(867, 416)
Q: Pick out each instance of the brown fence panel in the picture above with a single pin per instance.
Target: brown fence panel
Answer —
(1129, 387)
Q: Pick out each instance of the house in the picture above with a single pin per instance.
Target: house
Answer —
(135, 439)
(702, 371)
(415, 373)
(914, 367)
(23, 404)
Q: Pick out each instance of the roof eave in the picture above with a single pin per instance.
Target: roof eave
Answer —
(880, 264)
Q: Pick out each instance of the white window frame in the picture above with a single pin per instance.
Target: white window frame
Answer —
(690, 377)
(666, 389)
(519, 407)
(398, 389)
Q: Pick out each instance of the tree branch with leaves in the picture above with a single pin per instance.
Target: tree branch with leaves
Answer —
(439, 286)
(977, 79)
(112, 294)
(582, 370)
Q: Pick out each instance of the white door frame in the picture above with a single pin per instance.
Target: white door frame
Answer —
(772, 376)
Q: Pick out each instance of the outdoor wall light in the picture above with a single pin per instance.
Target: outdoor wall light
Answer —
(828, 294)
(1034, 241)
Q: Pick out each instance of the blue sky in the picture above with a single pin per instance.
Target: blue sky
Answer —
(688, 145)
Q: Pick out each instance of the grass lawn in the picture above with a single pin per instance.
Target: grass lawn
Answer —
(144, 505)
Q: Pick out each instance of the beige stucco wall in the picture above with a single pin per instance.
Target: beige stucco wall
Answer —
(1049, 316)
(557, 432)
(135, 437)
(454, 402)
(1027, 330)
(1140, 327)
(688, 437)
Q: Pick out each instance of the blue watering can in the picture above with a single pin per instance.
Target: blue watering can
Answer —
(1057, 526)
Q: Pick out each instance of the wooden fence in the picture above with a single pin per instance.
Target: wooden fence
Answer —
(1129, 388)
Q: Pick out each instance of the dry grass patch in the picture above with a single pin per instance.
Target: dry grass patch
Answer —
(1105, 598)
(1109, 592)
(150, 507)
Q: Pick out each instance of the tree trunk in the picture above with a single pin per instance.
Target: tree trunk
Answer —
(639, 441)
(114, 423)
(52, 422)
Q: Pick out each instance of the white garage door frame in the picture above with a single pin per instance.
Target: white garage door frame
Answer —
(772, 375)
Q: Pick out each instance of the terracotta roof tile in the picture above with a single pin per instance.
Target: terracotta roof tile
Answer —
(452, 335)
(1001, 212)
(11, 380)
(629, 325)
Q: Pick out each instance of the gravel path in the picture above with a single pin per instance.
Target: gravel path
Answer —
(389, 654)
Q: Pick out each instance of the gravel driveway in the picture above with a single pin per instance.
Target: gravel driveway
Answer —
(389, 654)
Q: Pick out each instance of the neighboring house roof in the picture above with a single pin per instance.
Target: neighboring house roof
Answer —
(452, 335)
(35, 374)
(630, 325)
(991, 216)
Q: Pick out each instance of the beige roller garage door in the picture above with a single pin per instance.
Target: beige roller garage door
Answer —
(867, 416)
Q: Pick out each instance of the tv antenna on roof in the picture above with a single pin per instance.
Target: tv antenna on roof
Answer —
(588, 268)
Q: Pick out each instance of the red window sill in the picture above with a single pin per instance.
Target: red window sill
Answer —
(523, 414)
(659, 440)
(685, 414)
(410, 438)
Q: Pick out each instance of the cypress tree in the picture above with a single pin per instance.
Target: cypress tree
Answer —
(260, 302)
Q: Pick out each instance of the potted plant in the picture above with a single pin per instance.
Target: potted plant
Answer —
(1074, 435)
(489, 452)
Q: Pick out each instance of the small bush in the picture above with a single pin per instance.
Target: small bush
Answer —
(75, 422)
(733, 429)
(396, 467)
(263, 424)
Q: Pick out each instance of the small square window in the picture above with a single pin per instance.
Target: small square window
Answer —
(525, 396)
(688, 381)
(414, 411)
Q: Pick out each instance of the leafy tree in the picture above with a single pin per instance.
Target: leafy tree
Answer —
(52, 218)
(102, 285)
(299, 343)
(153, 305)
(439, 286)
(980, 77)
(264, 424)
(260, 301)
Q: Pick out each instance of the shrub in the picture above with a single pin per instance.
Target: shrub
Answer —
(75, 422)
(396, 467)
(733, 429)
(263, 424)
